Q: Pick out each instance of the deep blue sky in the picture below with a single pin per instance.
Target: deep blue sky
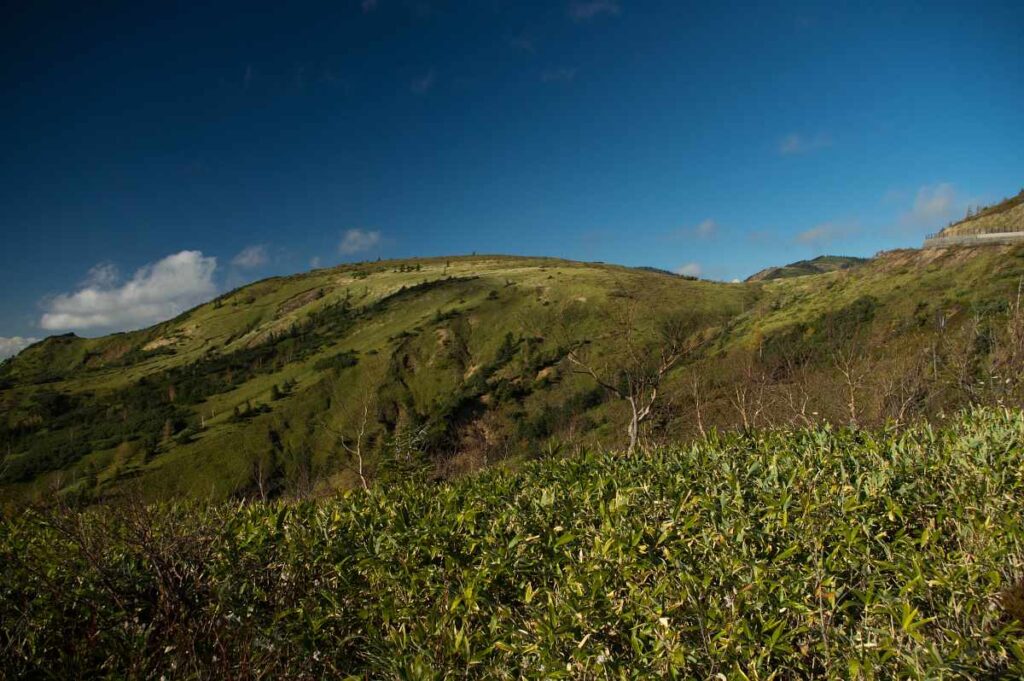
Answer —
(714, 137)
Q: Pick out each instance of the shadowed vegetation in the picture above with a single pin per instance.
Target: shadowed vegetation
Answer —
(822, 552)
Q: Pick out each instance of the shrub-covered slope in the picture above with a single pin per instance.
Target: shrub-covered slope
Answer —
(817, 553)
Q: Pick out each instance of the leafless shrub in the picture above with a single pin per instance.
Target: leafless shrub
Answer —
(637, 375)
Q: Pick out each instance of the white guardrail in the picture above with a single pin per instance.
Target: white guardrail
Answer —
(974, 239)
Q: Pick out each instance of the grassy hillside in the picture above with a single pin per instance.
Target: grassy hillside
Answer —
(445, 366)
(810, 553)
(801, 268)
(274, 374)
(1005, 216)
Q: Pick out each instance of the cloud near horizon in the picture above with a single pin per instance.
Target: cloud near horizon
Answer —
(251, 257)
(690, 269)
(933, 204)
(705, 229)
(156, 292)
(824, 233)
(358, 240)
(9, 347)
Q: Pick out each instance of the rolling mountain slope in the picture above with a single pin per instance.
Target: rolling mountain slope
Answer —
(292, 384)
(271, 374)
(819, 265)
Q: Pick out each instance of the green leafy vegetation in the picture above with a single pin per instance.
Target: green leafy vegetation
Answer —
(819, 552)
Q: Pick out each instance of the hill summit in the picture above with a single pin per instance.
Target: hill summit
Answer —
(819, 265)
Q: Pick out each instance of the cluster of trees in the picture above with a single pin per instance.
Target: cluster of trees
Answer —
(676, 377)
(158, 408)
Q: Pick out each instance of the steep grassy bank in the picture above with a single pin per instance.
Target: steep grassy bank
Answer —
(817, 552)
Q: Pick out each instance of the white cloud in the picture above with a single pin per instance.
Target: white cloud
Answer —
(155, 292)
(314, 262)
(824, 233)
(795, 143)
(423, 84)
(357, 241)
(932, 204)
(9, 347)
(251, 257)
(562, 75)
(706, 228)
(690, 269)
(583, 10)
(103, 274)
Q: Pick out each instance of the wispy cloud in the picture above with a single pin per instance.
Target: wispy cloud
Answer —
(584, 10)
(251, 257)
(314, 262)
(690, 269)
(155, 292)
(368, 6)
(796, 143)
(103, 275)
(933, 204)
(358, 241)
(705, 229)
(562, 75)
(423, 84)
(825, 233)
(11, 346)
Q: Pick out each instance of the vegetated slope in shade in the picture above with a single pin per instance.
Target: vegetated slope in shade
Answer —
(801, 268)
(809, 553)
(296, 385)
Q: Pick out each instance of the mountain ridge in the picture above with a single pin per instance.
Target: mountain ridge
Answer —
(463, 361)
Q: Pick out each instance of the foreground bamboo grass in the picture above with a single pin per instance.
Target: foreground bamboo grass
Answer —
(780, 554)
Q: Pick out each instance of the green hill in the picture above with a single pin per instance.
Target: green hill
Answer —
(448, 365)
(819, 265)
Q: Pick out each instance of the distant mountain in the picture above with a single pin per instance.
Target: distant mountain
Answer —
(819, 265)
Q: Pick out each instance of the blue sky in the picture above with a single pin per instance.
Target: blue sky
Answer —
(156, 154)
